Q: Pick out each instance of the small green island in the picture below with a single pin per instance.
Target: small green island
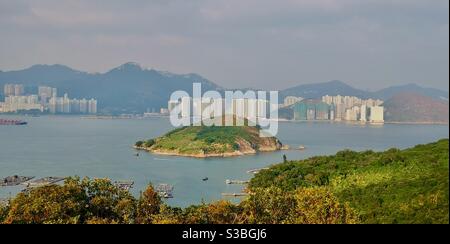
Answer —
(211, 141)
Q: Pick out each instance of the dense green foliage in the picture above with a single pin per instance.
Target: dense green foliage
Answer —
(100, 202)
(408, 186)
(205, 139)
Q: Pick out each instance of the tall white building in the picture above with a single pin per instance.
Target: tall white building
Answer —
(363, 112)
(8, 90)
(19, 90)
(376, 114)
(83, 106)
(66, 104)
(92, 106)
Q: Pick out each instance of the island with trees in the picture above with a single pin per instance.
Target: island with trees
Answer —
(211, 141)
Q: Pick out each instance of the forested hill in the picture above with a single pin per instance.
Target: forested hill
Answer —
(395, 186)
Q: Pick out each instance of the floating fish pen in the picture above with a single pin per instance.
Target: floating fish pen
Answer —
(44, 181)
(242, 182)
(255, 171)
(124, 185)
(164, 190)
(4, 202)
(15, 180)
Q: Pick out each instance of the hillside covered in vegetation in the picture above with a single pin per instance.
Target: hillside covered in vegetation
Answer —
(211, 141)
(408, 186)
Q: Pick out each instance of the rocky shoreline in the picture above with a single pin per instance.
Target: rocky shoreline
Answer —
(207, 155)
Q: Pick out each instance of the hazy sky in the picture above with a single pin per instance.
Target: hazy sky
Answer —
(237, 43)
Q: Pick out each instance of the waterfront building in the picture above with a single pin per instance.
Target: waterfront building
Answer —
(21, 103)
(363, 114)
(376, 114)
(66, 104)
(350, 108)
(312, 110)
(322, 111)
(340, 111)
(46, 99)
(54, 92)
(300, 111)
(92, 106)
(332, 113)
(351, 114)
(75, 106)
(83, 106)
(44, 93)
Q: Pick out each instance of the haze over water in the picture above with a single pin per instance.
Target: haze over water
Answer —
(69, 145)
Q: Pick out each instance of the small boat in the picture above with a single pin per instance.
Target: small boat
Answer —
(137, 155)
(205, 179)
(229, 182)
(301, 147)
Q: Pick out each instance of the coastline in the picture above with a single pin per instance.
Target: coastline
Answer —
(416, 123)
(205, 155)
(367, 123)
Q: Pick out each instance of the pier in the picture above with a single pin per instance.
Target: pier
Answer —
(43, 181)
(241, 182)
(124, 185)
(15, 180)
(164, 190)
(255, 171)
(238, 194)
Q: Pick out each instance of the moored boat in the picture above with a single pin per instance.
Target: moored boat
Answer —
(12, 122)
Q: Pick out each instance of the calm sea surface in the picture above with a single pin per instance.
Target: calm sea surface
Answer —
(67, 146)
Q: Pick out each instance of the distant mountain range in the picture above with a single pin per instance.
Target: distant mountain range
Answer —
(130, 88)
(336, 87)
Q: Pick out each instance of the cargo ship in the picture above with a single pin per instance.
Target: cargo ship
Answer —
(12, 122)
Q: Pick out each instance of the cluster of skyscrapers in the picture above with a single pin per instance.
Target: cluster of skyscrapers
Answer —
(14, 90)
(339, 108)
(46, 100)
(240, 107)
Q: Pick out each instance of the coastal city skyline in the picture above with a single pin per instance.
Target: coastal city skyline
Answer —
(332, 108)
(46, 100)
